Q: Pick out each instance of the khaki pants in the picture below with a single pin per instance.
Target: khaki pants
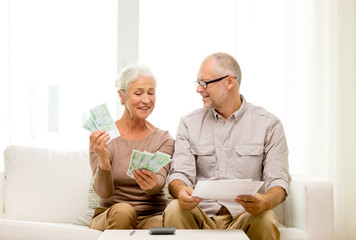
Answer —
(261, 227)
(123, 216)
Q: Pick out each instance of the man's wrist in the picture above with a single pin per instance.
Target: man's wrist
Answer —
(274, 197)
(176, 186)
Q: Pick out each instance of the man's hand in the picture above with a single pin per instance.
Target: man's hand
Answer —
(261, 202)
(145, 179)
(253, 204)
(186, 200)
(178, 189)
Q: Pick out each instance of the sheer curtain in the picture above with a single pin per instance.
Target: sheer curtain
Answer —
(342, 114)
(303, 54)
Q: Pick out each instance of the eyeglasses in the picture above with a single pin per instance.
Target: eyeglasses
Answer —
(204, 84)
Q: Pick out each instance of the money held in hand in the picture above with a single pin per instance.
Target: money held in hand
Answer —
(101, 119)
(145, 160)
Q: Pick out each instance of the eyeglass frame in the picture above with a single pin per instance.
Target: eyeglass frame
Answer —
(204, 84)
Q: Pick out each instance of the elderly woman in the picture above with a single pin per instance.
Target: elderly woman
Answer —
(130, 203)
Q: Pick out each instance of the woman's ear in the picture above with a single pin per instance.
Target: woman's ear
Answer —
(121, 95)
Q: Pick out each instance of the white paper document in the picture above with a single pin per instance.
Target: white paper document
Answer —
(226, 189)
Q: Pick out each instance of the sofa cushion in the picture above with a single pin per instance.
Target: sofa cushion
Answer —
(292, 233)
(45, 185)
(93, 200)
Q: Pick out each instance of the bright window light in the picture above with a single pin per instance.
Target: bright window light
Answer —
(62, 63)
(174, 37)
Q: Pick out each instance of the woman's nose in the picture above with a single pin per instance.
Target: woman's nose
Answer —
(145, 98)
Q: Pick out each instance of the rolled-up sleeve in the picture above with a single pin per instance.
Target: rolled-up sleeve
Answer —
(275, 164)
(183, 165)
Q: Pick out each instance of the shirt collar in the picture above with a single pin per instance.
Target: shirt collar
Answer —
(236, 114)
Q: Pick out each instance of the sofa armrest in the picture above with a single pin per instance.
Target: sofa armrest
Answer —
(2, 189)
(310, 207)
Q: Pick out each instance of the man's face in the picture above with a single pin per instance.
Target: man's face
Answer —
(215, 94)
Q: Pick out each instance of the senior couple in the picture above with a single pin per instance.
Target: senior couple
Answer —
(227, 139)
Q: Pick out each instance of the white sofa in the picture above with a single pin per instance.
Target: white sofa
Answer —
(44, 192)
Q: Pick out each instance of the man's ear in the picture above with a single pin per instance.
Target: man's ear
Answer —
(231, 82)
(121, 95)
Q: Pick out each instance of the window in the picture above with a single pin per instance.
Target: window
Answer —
(62, 63)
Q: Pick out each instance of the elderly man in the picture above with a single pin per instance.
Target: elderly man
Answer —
(228, 139)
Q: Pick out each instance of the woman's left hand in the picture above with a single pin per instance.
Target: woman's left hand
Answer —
(145, 179)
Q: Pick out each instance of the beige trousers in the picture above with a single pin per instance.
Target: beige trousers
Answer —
(123, 216)
(261, 227)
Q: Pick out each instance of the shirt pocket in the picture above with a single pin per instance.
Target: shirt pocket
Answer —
(249, 159)
(205, 159)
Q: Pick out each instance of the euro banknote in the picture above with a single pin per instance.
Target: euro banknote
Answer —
(100, 119)
(146, 160)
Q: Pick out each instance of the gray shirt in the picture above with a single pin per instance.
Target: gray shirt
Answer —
(250, 144)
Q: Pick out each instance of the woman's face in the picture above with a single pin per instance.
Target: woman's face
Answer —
(140, 98)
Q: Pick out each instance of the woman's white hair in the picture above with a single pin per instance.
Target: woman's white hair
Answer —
(130, 74)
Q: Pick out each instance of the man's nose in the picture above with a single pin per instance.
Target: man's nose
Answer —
(199, 89)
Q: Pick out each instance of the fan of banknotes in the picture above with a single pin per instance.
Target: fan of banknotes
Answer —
(100, 119)
(147, 160)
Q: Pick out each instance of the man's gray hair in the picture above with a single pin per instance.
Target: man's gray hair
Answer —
(226, 64)
(130, 74)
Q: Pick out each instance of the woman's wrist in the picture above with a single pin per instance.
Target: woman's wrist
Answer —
(105, 165)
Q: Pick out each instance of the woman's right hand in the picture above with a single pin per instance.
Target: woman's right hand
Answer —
(98, 141)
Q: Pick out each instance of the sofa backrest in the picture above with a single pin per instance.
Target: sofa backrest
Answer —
(53, 186)
(45, 185)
